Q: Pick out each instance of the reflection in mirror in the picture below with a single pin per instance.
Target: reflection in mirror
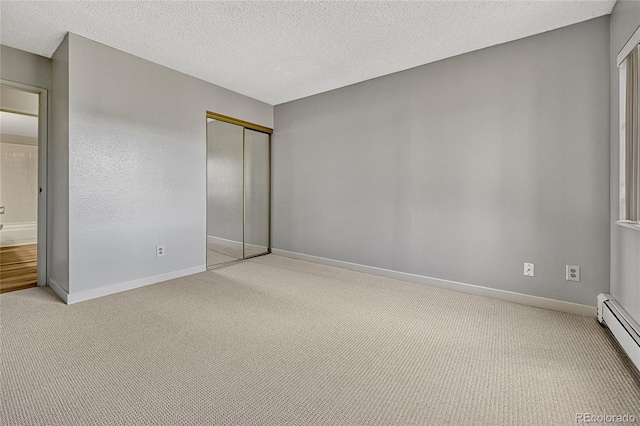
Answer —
(256, 180)
(224, 192)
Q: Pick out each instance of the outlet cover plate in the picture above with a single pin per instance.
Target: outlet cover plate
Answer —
(528, 269)
(573, 273)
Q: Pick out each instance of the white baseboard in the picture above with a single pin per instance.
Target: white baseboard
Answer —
(59, 291)
(509, 296)
(117, 288)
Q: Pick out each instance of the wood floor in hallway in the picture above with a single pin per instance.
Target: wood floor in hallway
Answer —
(18, 267)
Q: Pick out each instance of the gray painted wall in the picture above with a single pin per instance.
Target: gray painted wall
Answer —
(58, 169)
(137, 164)
(462, 169)
(23, 67)
(625, 243)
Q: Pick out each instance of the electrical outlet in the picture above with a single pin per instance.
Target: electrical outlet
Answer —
(573, 273)
(528, 269)
(159, 251)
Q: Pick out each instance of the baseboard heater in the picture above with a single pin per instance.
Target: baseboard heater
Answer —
(622, 326)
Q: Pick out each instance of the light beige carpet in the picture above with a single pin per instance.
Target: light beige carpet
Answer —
(274, 341)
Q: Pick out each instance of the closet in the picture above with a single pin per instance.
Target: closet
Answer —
(238, 190)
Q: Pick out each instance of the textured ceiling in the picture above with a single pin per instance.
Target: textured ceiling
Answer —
(281, 51)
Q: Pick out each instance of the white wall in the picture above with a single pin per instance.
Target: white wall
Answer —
(18, 182)
(625, 243)
(137, 165)
(462, 170)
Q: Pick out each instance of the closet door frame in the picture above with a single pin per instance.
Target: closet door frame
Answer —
(262, 129)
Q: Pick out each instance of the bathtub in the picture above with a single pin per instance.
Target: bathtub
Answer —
(14, 234)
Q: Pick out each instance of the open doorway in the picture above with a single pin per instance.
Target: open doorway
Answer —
(22, 207)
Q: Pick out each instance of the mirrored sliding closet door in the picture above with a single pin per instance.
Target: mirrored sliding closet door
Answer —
(238, 190)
